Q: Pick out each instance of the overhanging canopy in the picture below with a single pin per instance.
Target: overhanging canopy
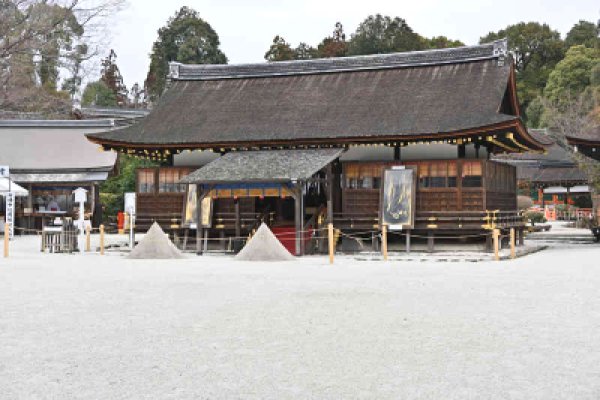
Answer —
(61, 177)
(555, 190)
(6, 186)
(264, 166)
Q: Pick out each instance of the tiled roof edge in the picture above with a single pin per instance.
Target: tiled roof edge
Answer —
(189, 72)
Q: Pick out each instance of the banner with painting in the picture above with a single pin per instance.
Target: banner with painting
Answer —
(190, 212)
(398, 194)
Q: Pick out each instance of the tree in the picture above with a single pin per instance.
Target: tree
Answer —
(38, 40)
(112, 191)
(98, 94)
(584, 33)
(442, 42)
(280, 50)
(573, 74)
(381, 34)
(536, 49)
(335, 45)
(571, 116)
(305, 52)
(186, 38)
(111, 76)
(137, 96)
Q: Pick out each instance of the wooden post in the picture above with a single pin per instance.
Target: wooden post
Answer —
(521, 237)
(496, 235)
(331, 244)
(199, 198)
(513, 252)
(408, 241)
(430, 242)
(6, 238)
(238, 223)
(87, 239)
(299, 217)
(101, 240)
(329, 193)
(384, 248)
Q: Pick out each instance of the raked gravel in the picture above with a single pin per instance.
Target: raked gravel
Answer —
(105, 327)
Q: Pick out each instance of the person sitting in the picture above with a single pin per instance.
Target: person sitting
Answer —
(53, 205)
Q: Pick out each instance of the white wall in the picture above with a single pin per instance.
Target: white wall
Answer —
(410, 153)
(194, 158)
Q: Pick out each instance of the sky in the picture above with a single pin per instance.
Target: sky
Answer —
(246, 28)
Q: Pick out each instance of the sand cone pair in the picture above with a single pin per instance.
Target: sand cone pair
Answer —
(155, 245)
(264, 246)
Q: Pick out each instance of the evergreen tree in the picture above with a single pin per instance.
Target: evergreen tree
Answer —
(381, 34)
(280, 50)
(98, 94)
(584, 33)
(186, 38)
(536, 49)
(335, 45)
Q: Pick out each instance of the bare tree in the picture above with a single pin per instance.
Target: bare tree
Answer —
(40, 38)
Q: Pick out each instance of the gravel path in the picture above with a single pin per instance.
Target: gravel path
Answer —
(91, 327)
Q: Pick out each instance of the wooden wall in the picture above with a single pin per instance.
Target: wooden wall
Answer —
(496, 192)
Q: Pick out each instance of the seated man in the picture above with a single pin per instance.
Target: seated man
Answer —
(53, 205)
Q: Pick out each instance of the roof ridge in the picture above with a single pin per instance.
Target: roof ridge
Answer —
(497, 49)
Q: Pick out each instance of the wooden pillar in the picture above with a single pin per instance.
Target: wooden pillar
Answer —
(430, 242)
(384, 247)
(496, 235)
(408, 241)
(299, 217)
(87, 239)
(200, 194)
(329, 185)
(374, 242)
(521, 237)
(462, 151)
(330, 242)
(101, 240)
(513, 252)
(397, 153)
(477, 147)
(238, 222)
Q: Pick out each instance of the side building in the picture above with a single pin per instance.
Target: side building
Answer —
(49, 159)
(303, 143)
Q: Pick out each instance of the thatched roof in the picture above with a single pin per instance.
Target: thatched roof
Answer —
(434, 94)
(264, 166)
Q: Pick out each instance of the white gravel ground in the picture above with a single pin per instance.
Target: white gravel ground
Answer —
(95, 327)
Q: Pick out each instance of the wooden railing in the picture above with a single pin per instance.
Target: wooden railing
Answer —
(437, 220)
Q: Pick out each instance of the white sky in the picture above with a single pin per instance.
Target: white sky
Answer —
(246, 28)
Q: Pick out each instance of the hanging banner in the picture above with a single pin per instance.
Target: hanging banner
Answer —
(398, 198)
(10, 213)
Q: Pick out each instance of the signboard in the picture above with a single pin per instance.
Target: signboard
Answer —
(4, 171)
(130, 203)
(190, 212)
(10, 213)
(398, 198)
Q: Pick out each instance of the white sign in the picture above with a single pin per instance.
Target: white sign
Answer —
(130, 209)
(81, 198)
(130, 203)
(80, 195)
(10, 213)
(4, 171)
